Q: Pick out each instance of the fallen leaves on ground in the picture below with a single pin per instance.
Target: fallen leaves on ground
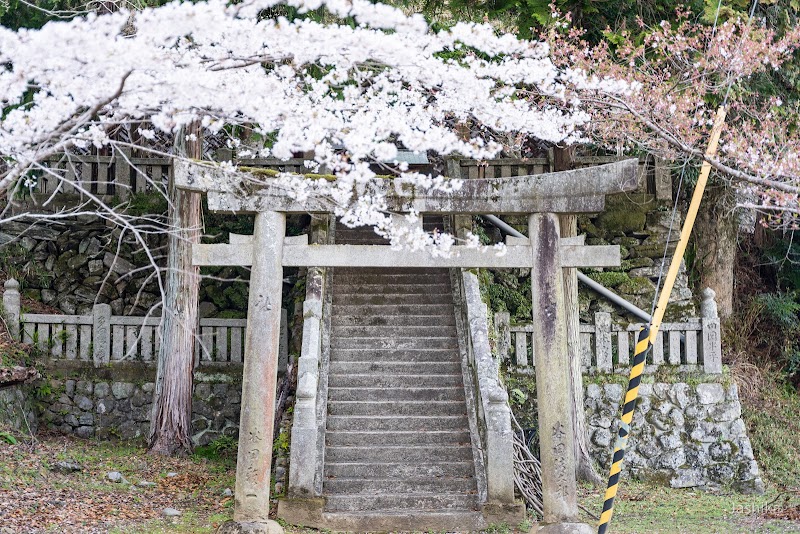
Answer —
(34, 498)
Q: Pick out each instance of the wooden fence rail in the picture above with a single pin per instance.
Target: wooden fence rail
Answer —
(607, 348)
(102, 338)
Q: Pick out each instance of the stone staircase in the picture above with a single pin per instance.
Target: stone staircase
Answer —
(398, 448)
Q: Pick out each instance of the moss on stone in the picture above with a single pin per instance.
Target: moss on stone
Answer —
(655, 250)
(610, 278)
(586, 226)
(638, 285)
(621, 222)
(627, 242)
(636, 263)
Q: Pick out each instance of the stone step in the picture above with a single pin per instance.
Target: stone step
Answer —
(369, 241)
(378, 408)
(394, 381)
(402, 501)
(390, 310)
(393, 320)
(421, 471)
(389, 367)
(388, 298)
(398, 355)
(389, 278)
(406, 331)
(451, 393)
(393, 423)
(407, 521)
(391, 270)
(367, 288)
(435, 437)
(393, 343)
(378, 486)
(401, 454)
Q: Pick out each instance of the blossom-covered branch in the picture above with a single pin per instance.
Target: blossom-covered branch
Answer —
(684, 71)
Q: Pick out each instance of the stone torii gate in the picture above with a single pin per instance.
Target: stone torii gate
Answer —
(542, 197)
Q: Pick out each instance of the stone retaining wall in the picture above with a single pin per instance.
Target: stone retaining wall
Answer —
(16, 409)
(683, 435)
(73, 264)
(115, 402)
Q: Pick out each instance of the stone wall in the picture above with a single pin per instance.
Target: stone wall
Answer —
(72, 264)
(687, 429)
(115, 402)
(684, 435)
(636, 222)
(641, 227)
(17, 410)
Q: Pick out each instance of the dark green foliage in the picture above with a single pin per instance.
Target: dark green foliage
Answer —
(505, 291)
(221, 447)
(785, 255)
(781, 308)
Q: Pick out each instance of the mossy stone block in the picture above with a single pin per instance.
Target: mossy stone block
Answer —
(621, 222)
(610, 278)
(638, 285)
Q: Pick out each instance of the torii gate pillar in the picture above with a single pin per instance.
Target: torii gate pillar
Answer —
(259, 378)
(556, 434)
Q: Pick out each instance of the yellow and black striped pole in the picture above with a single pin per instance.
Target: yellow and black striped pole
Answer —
(649, 334)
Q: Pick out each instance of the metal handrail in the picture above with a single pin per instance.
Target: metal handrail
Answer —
(603, 291)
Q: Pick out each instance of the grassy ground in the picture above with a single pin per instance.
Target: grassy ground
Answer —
(35, 498)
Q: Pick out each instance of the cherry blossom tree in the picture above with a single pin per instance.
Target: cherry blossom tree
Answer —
(349, 90)
(685, 70)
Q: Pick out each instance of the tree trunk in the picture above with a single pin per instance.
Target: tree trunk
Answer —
(584, 469)
(716, 230)
(171, 418)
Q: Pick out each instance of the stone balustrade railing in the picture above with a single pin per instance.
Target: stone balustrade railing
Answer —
(306, 447)
(102, 338)
(494, 414)
(692, 345)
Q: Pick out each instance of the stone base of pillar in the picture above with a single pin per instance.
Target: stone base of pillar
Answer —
(301, 510)
(499, 513)
(245, 527)
(564, 528)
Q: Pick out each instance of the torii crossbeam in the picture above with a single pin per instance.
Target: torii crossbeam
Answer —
(542, 197)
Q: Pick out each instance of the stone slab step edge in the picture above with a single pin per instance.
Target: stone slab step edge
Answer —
(432, 437)
(394, 343)
(401, 501)
(410, 380)
(413, 521)
(404, 407)
(395, 355)
(423, 368)
(371, 486)
(406, 454)
(453, 393)
(422, 471)
(391, 423)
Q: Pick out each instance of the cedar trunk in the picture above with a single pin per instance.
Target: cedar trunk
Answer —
(715, 236)
(171, 418)
(584, 468)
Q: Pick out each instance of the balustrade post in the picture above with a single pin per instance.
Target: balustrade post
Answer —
(602, 342)
(11, 307)
(502, 325)
(303, 461)
(101, 334)
(712, 336)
